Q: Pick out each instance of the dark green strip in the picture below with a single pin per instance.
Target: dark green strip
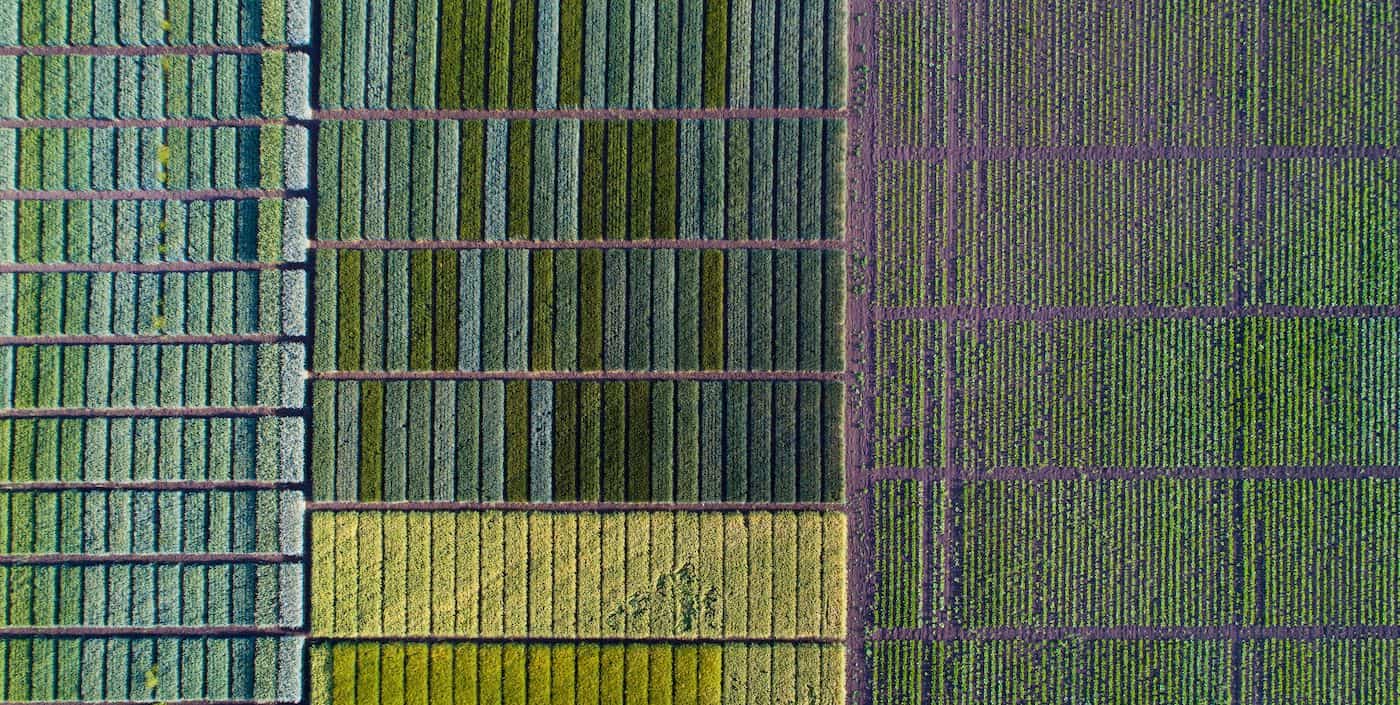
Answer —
(493, 310)
(348, 310)
(736, 446)
(761, 442)
(371, 441)
(614, 441)
(471, 180)
(474, 56)
(590, 336)
(663, 407)
(616, 213)
(641, 181)
(833, 449)
(499, 54)
(591, 191)
(450, 75)
(716, 52)
(665, 180)
(784, 441)
(590, 418)
(809, 439)
(519, 163)
(445, 311)
(570, 53)
(638, 441)
(712, 310)
(566, 441)
(420, 299)
(522, 55)
(517, 441)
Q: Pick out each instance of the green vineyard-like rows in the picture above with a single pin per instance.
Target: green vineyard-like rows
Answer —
(1067, 72)
(1135, 672)
(223, 86)
(1148, 232)
(576, 673)
(1163, 552)
(581, 180)
(113, 450)
(149, 376)
(582, 53)
(107, 23)
(151, 304)
(578, 574)
(125, 522)
(580, 310)
(190, 668)
(902, 568)
(148, 231)
(145, 595)
(1282, 391)
(173, 158)
(542, 441)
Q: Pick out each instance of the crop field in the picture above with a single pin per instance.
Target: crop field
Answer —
(1125, 280)
(699, 351)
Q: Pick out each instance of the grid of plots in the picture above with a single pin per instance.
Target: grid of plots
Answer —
(153, 290)
(578, 356)
(1128, 385)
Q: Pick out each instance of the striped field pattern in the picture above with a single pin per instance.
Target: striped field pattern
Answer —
(578, 353)
(1123, 334)
(153, 314)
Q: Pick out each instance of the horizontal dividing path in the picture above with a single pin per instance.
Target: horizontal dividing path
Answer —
(151, 194)
(580, 114)
(172, 267)
(581, 506)
(140, 49)
(566, 640)
(1145, 473)
(1050, 314)
(202, 558)
(585, 375)
(586, 244)
(1307, 632)
(137, 339)
(230, 412)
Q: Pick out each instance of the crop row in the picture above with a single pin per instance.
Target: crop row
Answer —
(96, 522)
(517, 574)
(912, 42)
(901, 560)
(1270, 671)
(909, 233)
(517, 673)
(214, 303)
(544, 54)
(224, 86)
(1175, 392)
(579, 310)
(154, 158)
(543, 441)
(155, 22)
(220, 230)
(149, 376)
(120, 449)
(1062, 671)
(1071, 72)
(114, 669)
(1140, 232)
(581, 180)
(1171, 552)
(142, 594)
(908, 393)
